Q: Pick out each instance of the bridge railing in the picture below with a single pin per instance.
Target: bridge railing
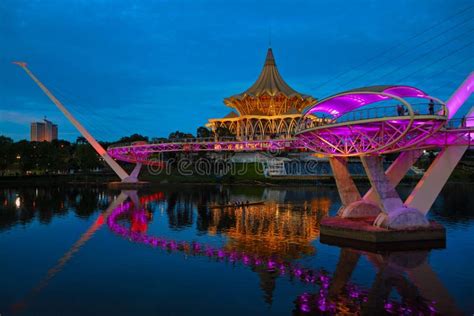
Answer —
(459, 123)
(379, 112)
(392, 110)
(176, 140)
(308, 123)
(199, 140)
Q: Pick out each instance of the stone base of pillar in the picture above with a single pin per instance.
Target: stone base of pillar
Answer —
(402, 218)
(133, 177)
(127, 185)
(130, 179)
(359, 209)
(362, 234)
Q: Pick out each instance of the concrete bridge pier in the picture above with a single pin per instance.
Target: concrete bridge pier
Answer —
(382, 200)
(397, 170)
(353, 206)
(380, 217)
(346, 187)
(133, 177)
(394, 214)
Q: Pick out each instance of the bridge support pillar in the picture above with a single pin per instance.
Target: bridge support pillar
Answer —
(397, 170)
(346, 187)
(353, 206)
(133, 177)
(394, 214)
(428, 188)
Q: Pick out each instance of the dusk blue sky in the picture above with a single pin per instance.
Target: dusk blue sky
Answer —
(153, 67)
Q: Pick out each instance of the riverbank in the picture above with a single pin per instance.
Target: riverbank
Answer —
(85, 179)
(251, 175)
(104, 179)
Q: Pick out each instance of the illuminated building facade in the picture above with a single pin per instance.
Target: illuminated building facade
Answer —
(269, 109)
(43, 131)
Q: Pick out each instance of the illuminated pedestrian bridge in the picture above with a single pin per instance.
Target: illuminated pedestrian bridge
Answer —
(365, 122)
(380, 119)
(370, 120)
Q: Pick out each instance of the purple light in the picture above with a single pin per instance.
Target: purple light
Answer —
(305, 308)
(306, 302)
(271, 264)
(460, 95)
(406, 92)
(341, 104)
(342, 137)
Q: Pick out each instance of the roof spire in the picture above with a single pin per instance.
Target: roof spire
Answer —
(270, 83)
(270, 60)
(270, 36)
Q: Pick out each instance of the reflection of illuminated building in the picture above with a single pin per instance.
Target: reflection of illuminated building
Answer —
(277, 230)
(408, 273)
(270, 229)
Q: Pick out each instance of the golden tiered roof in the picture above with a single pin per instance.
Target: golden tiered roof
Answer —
(269, 95)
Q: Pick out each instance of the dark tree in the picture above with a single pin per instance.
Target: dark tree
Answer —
(25, 155)
(133, 138)
(179, 135)
(81, 140)
(224, 132)
(203, 132)
(87, 158)
(7, 155)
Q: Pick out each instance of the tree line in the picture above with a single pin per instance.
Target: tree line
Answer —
(61, 156)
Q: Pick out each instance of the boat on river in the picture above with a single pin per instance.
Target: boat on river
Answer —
(236, 205)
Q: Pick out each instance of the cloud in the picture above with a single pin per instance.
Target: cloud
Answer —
(17, 117)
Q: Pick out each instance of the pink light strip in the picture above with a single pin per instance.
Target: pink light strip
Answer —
(460, 95)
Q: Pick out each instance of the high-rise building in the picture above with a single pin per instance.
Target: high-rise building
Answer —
(43, 131)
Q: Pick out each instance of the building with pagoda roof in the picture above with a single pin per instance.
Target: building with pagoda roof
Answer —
(270, 108)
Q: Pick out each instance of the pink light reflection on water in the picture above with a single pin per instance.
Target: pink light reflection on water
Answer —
(306, 302)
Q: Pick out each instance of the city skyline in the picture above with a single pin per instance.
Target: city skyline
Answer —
(171, 78)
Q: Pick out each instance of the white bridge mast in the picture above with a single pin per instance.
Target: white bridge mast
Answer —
(98, 148)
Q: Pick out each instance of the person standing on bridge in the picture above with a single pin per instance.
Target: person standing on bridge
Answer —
(400, 110)
(431, 107)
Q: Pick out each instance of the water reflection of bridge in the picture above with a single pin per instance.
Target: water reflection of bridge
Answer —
(407, 272)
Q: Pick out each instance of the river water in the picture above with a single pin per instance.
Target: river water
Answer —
(167, 251)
